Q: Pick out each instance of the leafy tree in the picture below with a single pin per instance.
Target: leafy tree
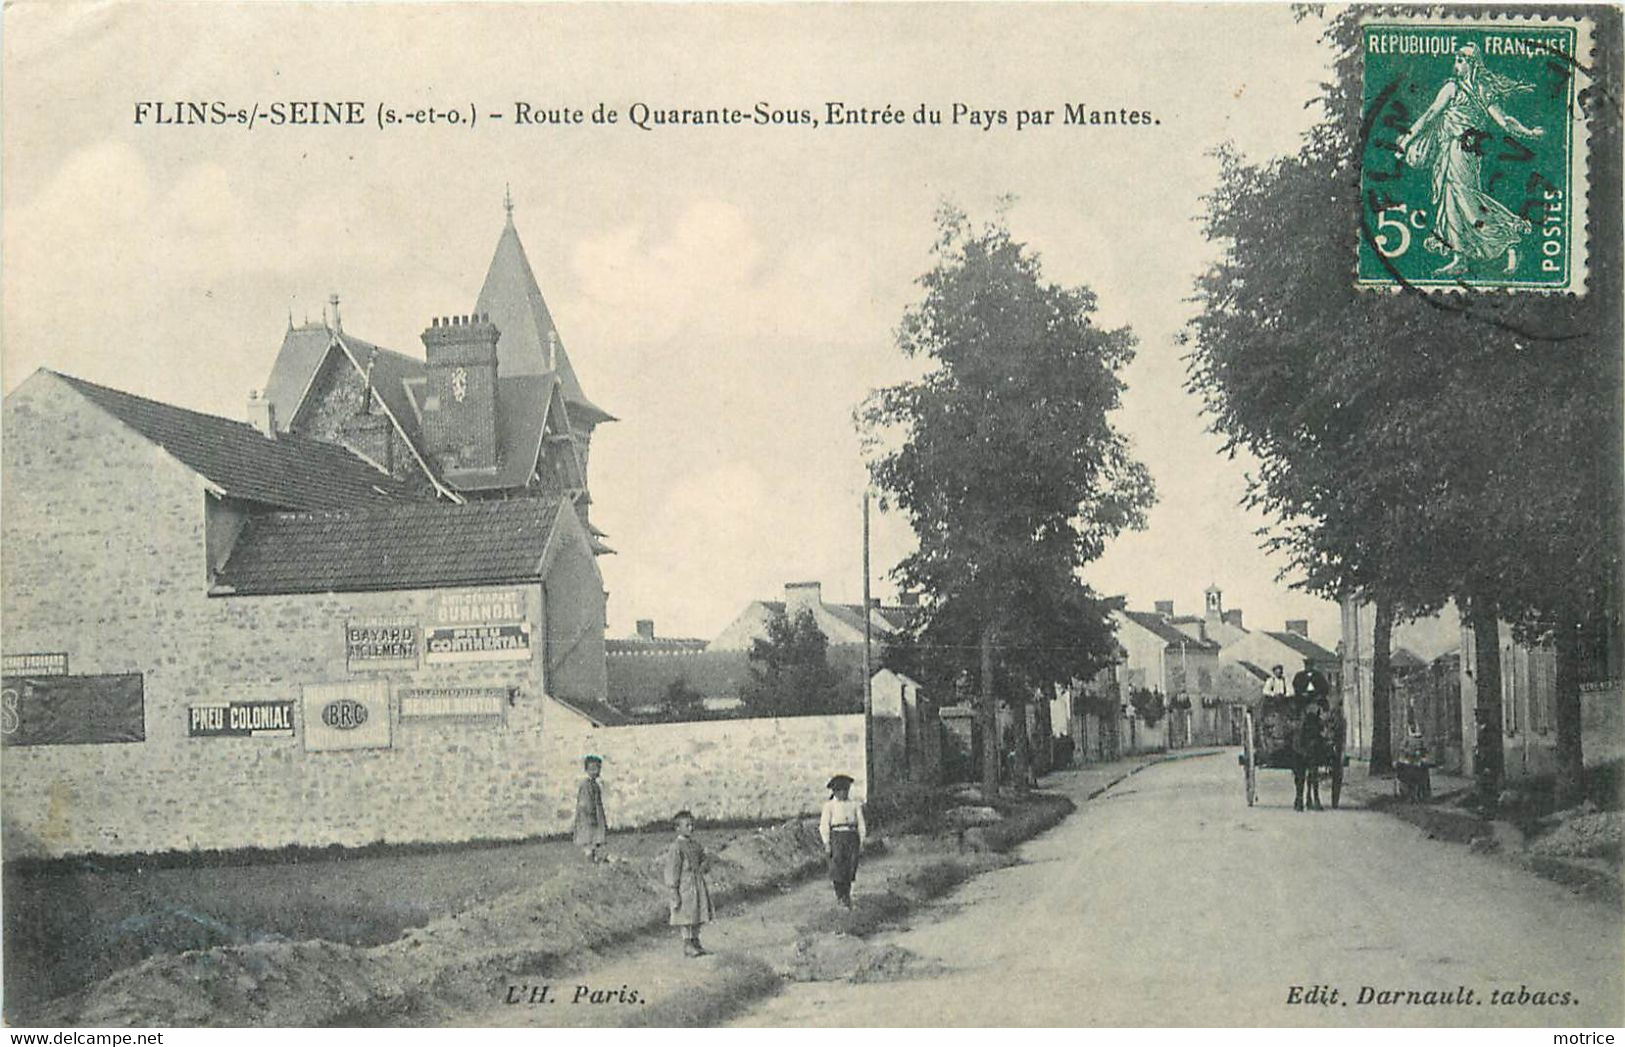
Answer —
(1148, 705)
(790, 674)
(1006, 464)
(1416, 447)
(682, 702)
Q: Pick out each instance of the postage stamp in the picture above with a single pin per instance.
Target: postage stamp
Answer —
(1473, 154)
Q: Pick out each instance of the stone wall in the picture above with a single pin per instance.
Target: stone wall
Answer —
(719, 769)
(105, 557)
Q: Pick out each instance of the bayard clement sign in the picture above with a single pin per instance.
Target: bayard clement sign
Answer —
(381, 645)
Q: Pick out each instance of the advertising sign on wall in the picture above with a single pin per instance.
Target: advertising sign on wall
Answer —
(352, 715)
(381, 645)
(48, 664)
(425, 702)
(486, 605)
(72, 710)
(499, 642)
(240, 720)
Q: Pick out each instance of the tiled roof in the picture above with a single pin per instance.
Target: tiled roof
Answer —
(514, 302)
(636, 645)
(1261, 673)
(1304, 646)
(421, 546)
(1160, 627)
(290, 472)
(303, 350)
(599, 714)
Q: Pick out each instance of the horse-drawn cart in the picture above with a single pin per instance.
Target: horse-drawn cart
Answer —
(1298, 735)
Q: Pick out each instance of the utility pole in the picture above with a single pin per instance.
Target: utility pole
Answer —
(868, 666)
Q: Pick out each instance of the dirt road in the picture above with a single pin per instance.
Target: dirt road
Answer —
(1168, 901)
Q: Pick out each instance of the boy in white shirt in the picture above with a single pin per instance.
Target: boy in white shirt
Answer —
(843, 830)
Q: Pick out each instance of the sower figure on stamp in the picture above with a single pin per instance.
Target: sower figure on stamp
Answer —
(843, 829)
(592, 826)
(684, 875)
(1468, 224)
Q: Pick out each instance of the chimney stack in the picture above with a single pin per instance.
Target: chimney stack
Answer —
(802, 595)
(1298, 626)
(646, 628)
(1165, 607)
(1233, 617)
(262, 414)
(460, 403)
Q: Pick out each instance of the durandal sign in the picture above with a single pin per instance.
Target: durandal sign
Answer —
(240, 720)
(499, 642)
(381, 645)
(483, 605)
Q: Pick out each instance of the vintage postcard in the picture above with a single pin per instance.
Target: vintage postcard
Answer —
(534, 515)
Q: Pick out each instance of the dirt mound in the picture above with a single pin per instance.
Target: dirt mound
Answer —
(1595, 835)
(529, 930)
(767, 852)
(840, 957)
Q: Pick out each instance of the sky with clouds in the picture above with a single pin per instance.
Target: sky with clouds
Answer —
(729, 293)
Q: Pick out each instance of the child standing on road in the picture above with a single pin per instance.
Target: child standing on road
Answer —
(842, 827)
(591, 825)
(685, 878)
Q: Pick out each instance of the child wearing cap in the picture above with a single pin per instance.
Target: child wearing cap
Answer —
(842, 827)
(592, 826)
(684, 874)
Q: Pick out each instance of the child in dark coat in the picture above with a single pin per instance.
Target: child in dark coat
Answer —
(685, 878)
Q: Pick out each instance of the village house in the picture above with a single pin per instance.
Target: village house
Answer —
(352, 615)
(1179, 668)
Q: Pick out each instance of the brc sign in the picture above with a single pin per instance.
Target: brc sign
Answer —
(349, 715)
(344, 714)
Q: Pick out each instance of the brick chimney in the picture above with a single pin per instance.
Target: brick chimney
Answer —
(646, 628)
(460, 403)
(261, 414)
(1233, 617)
(799, 595)
(1299, 626)
(1165, 607)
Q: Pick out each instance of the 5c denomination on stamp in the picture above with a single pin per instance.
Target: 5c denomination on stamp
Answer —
(1473, 154)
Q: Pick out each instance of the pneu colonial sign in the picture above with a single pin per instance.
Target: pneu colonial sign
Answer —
(351, 715)
(272, 719)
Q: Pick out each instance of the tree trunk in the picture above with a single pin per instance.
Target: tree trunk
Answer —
(990, 718)
(1022, 772)
(1382, 689)
(1566, 703)
(1489, 758)
(1044, 735)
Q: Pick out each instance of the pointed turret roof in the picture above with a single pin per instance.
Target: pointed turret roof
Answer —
(530, 342)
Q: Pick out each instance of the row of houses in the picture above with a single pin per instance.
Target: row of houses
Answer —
(1434, 700)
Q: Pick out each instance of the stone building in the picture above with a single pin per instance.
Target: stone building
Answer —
(353, 619)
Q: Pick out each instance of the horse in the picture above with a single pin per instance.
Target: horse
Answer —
(1317, 743)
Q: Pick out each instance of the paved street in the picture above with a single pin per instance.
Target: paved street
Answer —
(1168, 902)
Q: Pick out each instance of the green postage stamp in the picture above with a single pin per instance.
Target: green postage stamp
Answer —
(1473, 153)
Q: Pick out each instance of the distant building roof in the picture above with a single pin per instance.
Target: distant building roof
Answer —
(637, 645)
(290, 472)
(1165, 630)
(599, 714)
(1303, 645)
(1261, 673)
(427, 545)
